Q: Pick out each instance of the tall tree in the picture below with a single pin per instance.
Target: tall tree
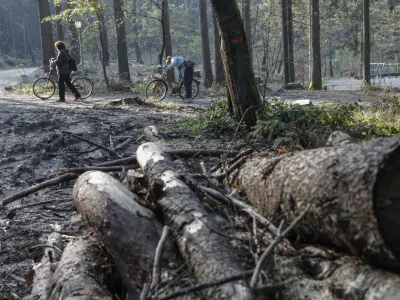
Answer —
(289, 24)
(138, 51)
(205, 41)
(218, 65)
(105, 49)
(246, 13)
(285, 41)
(122, 50)
(60, 29)
(46, 34)
(167, 37)
(366, 42)
(73, 33)
(316, 76)
(241, 83)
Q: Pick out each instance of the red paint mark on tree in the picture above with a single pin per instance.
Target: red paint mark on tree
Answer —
(235, 41)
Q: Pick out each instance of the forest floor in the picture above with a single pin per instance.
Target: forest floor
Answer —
(33, 146)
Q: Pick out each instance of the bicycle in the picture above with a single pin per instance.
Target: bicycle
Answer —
(45, 87)
(158, 88)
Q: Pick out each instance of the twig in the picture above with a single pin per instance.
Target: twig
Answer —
(157, 259)
(38, 203)
(180, 153)
(37, 187)
(206, 175)
(279, 237)
(247, 208)
(45, 246)
(205, 285)
(103, 169)
(231, 168)
(128, 141)
(145, 291)
(111, 143)
(93, 143)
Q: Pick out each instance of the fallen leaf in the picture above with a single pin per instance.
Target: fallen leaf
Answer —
(235, 186)
(281, 151)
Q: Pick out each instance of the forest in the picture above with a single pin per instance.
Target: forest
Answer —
(222, 149)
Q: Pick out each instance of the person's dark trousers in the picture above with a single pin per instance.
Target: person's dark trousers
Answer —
(187, 81)
(65, 79)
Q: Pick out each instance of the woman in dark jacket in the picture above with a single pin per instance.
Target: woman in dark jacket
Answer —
(64, 73)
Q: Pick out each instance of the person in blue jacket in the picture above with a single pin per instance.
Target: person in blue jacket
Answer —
(186, 69)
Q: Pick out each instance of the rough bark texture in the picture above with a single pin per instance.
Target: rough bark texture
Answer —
(239, 74)
(76, 275)
(60, 29)
(353, 190)
(138, 51)
(208, 254)
(316, 76)
(105, 53)
(122, 50)
(205, 44)
(292, 71)
(246, 12)
(73, 36)
(128, 230)
(167, 39)
(46, 35)
(367, 45)
(285, 41)
(44, 270)
(218, 65)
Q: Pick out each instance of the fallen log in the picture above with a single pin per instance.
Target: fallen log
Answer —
(41, 287)
(76, 275)
(128, 231)
(208, 254)
(353, 190)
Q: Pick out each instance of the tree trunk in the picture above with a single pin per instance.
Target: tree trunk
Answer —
(316, 77)
(77, 274)
(122, 50)
(167, 39)
(208, 254)
(105, 50)
(60, 29)
(138, 51)
(26, 32)
(285, 41)
(73, 36)
(239, 73)
(367, 45)
(128, 230)
(246, 12)
(353, 190)
(205, 43)
(292, 76)
(218, 65)
(46, 35)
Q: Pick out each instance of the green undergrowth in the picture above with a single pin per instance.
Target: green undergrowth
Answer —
(286, 125)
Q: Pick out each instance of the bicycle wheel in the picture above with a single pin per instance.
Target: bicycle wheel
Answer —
(156, 90)
(195, 89)
(44, 88)
(84, 86)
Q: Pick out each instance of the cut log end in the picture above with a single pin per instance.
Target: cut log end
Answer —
(387, 201)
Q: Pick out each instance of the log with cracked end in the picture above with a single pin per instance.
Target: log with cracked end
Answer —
(208, 254)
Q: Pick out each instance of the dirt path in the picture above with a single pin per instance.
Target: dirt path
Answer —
(13, 76)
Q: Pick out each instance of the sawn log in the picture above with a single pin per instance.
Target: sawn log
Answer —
(354, 191)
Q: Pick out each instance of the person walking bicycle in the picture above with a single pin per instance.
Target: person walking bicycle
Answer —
(186, 69)
(64, 73)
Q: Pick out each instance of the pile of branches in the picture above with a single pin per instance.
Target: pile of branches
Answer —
(315, 224)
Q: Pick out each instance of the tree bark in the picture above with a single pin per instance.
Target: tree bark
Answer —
(105, 52)
(353, 190)
(41, 288)
(128, 230)
(73, 36)
(122, 50)
(205, 44)
(367, 45)
(60, 29)
(316, 76)
(285, 41)
(246, 13)
(167, 39)
(77, 273)
(218, 65)
(138, 51)
(46, 35)
(208, 254)
(292, 76)
(239, 73)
